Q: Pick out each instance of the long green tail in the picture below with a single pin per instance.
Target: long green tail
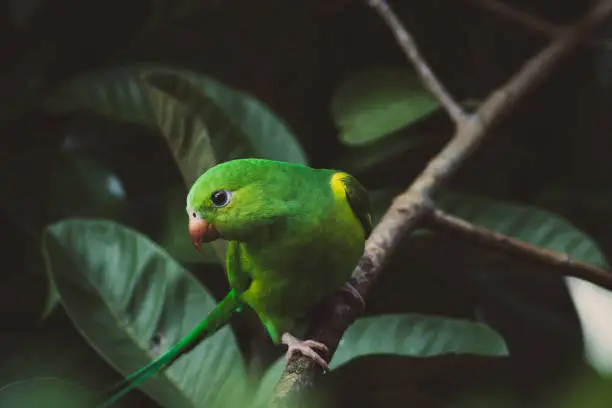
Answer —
(215, 320)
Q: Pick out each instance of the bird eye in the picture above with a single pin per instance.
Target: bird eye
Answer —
(220, 198)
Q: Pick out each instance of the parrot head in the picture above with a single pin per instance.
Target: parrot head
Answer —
(235, 199)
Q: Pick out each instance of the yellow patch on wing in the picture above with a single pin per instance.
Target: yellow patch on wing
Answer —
(337, 185)
(347, 189)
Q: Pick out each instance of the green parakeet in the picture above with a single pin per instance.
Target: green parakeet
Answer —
(295, 235)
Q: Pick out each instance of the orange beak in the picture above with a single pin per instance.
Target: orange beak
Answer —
(201, 231)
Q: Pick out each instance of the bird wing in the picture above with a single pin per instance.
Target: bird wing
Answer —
(358, 199)
(237, 272)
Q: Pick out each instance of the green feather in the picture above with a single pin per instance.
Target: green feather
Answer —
(213, 322)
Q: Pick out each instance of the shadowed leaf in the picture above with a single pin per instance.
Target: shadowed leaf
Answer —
(148, 94)
(376, 102)
(132, 301)
(405, 335)
(198, 132)
(527, 223)
(547, 230)
(203, 121)
(56, 349)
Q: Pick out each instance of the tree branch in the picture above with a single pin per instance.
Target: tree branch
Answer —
(407, 44)
(532, 22)
(440, 221)
(409, 208)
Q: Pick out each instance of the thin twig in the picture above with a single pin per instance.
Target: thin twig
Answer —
(408, 209)
(411, 50)
(532, 22)
(440, 221)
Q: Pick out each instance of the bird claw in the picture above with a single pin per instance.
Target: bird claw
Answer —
(304, 347)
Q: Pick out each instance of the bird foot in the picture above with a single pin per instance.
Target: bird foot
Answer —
(305, 347)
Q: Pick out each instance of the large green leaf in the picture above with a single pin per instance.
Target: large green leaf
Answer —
(37, 186)
(199, 133)
(132, 301)
(527, 223)
(403, 335)
(417, 335)
(56, 349)
(122, 94)
(547, 230)
(203, 121)
(376, 102)
(81, 186)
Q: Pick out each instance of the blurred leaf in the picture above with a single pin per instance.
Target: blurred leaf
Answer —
(184, 114)
(404, 335)
(57, 350)
(121, 94)
(200, 135)
(43, 392)
(378, 101)
(82, 187)
(547, 230)
(417, 335)
(594, 306)
(132, 301)
(527, 223)
(38, 186)
(203, 121)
